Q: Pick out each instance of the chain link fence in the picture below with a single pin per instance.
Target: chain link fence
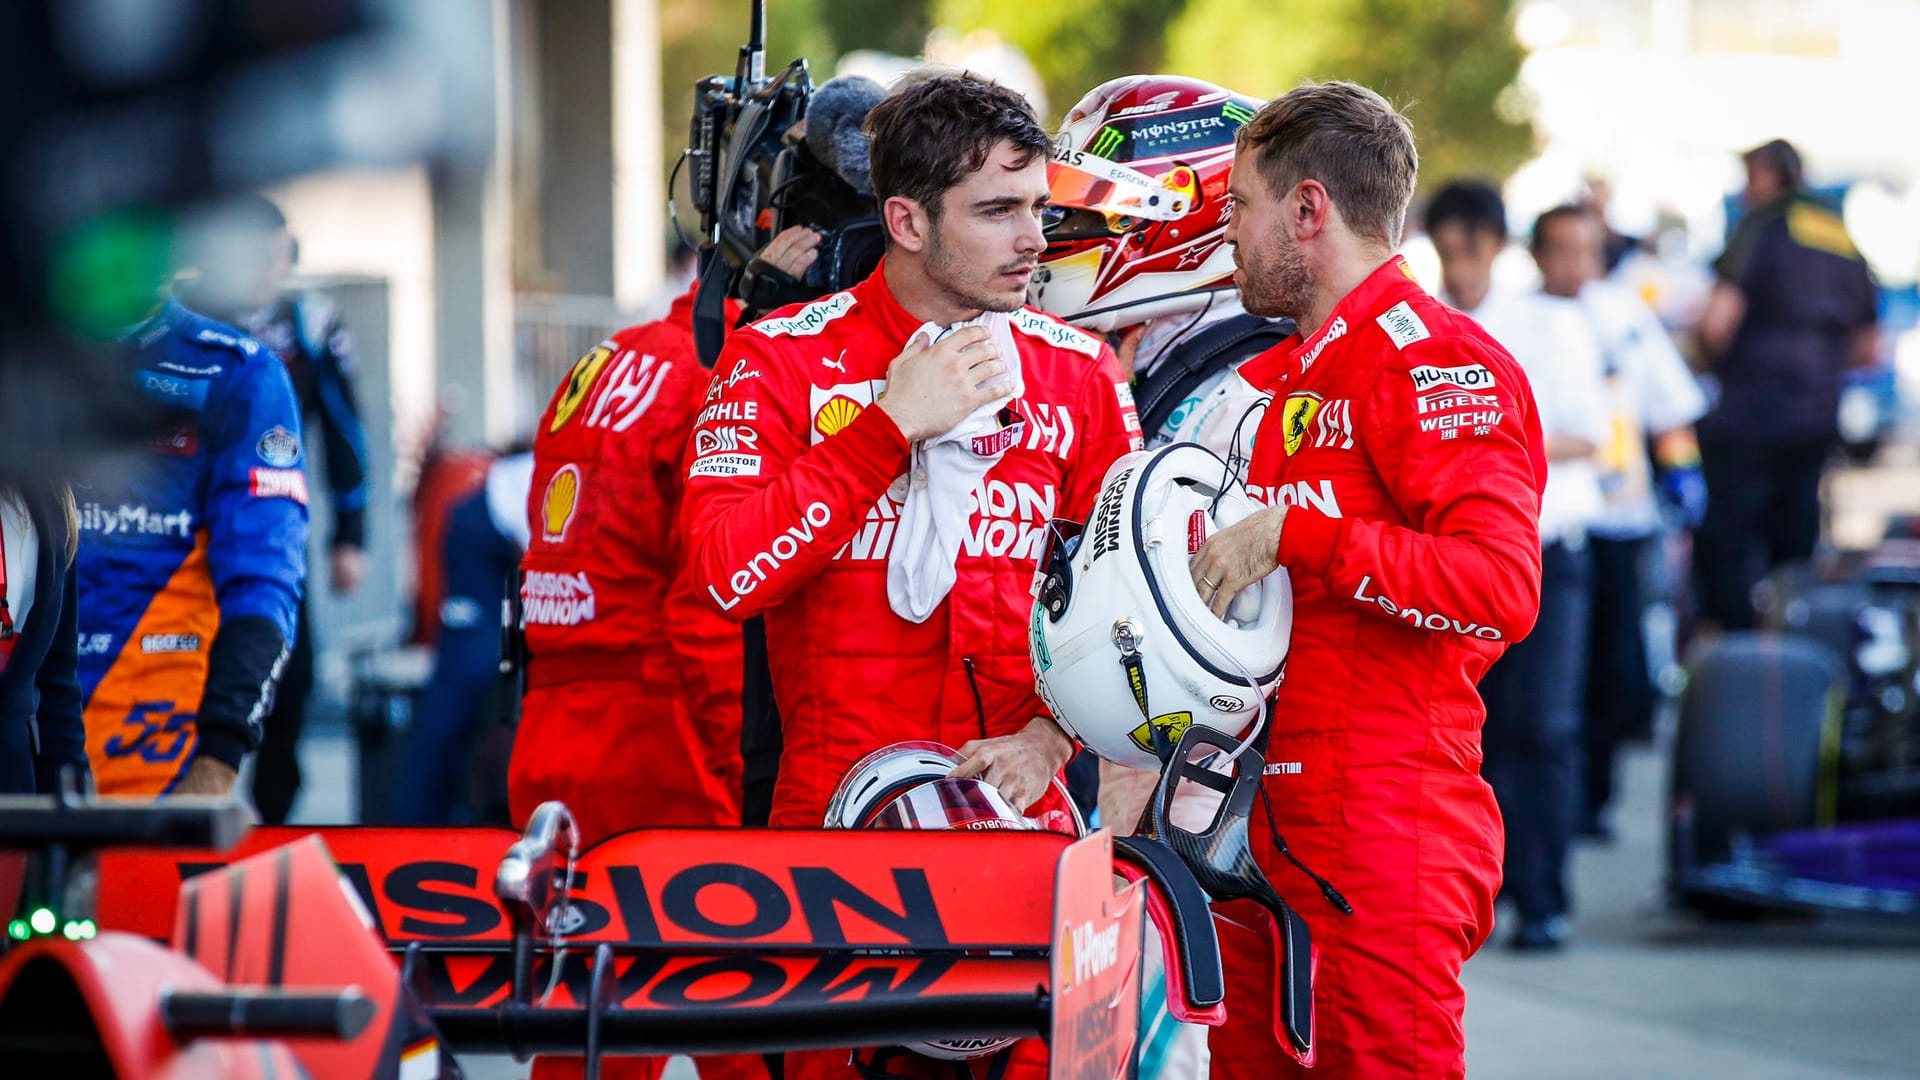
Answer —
(550, 332)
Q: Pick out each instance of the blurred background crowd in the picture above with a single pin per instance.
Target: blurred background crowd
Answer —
(430, 211)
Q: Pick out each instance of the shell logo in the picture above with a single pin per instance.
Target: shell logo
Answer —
(1066, 960)
(833, 417)
(561, 501)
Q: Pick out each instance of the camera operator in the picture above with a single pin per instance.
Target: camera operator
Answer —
(609, 695)
(877, 469)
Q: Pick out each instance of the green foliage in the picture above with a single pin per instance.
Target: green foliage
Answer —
(1448, 66)
(896, 26)
(1075, 47)
(1451, 66)
(703, 37)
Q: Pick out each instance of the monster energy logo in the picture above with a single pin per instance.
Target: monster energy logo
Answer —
(1237, 112)
(1105, 143)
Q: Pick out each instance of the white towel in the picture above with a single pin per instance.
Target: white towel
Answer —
(943, 478)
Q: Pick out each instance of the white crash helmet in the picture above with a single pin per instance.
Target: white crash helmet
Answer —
(906, 786)
(1125, 652)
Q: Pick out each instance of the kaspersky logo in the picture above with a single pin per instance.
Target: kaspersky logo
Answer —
(1237, 113)
(1105, 143)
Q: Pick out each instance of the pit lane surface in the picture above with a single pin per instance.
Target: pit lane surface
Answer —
(1645, 993)
(1638, 993)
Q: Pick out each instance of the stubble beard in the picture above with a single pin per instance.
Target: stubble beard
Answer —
(950, 272)
(1280, 287)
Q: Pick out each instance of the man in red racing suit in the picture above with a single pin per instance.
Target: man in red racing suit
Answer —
(798, 461)
(616, 691)
(1402, 462)
(632, 710)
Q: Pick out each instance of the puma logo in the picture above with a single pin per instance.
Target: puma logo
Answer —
(839, 365)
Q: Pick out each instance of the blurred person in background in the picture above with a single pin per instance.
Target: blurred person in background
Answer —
(629, 674)
(1650, 455)
(1535, 693)
(449, 778)
(41, 730)
(1404, 516)
(192, 559)
(1793, 309)
(245, 254)
(1163, 293)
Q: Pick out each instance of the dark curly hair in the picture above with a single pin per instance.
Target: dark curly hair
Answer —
(932, 132)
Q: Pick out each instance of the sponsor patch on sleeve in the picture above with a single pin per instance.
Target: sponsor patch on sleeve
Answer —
(279, 484)
(809, 320)
(279, 448)
(1402, 325)
(1428, 378)
(725, 465)
(1129, 415)
(1057, 334)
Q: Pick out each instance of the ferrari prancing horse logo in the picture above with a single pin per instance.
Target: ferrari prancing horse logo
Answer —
(1298, 413)
(579, 381)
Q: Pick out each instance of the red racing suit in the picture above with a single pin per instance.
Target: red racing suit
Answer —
(788, 515)
(625, 680)
(1405, 444)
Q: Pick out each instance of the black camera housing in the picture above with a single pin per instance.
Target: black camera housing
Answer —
(752, 176)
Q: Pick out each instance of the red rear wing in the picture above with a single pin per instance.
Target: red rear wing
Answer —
(700, 941)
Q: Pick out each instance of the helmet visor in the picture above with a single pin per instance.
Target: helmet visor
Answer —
(950, 803)
(1081, 181)
(1056, 565)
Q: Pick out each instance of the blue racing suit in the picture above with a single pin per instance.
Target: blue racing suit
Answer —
(192, 556)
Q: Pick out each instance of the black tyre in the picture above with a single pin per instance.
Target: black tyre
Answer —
(1747, 754)
(1828, 613)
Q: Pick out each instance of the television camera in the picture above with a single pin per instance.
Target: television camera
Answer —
(766, 153)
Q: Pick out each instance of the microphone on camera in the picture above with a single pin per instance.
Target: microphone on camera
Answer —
(834, 117)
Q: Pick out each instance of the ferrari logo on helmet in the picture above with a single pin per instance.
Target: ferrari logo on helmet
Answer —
(579, 381)
(1172, 725)
(1298, 413)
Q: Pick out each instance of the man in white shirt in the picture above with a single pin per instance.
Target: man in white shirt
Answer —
(1653, 401)
(1534, 693)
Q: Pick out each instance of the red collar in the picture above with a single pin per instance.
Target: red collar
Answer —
(1390, 283)
(885, 312)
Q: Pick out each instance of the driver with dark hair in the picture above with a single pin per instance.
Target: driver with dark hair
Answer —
(874, 471)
